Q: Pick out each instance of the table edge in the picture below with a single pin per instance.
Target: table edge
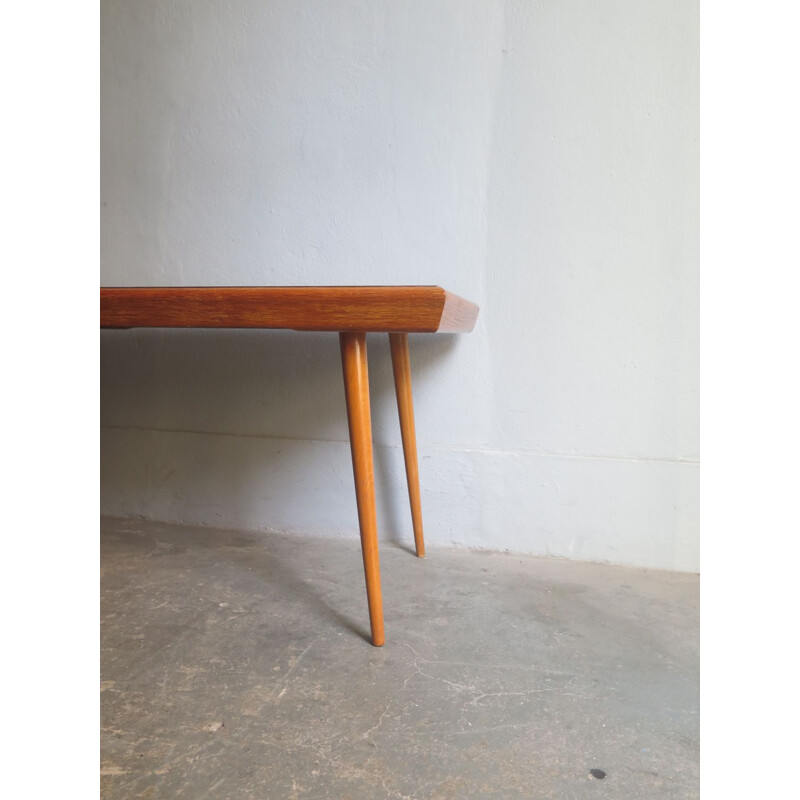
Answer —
(408, 308)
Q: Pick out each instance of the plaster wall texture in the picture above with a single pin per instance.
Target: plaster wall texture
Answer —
(538, 158)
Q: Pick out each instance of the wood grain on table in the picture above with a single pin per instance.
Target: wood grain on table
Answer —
(410, 309)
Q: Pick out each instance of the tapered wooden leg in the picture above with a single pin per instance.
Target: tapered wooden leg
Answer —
(356, 388)
(405, 407)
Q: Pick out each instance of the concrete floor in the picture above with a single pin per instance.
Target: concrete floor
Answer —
(234, 665)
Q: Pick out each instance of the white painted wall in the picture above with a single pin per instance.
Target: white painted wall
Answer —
(540, 158)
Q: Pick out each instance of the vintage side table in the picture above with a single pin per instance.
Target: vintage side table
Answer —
(350, 311)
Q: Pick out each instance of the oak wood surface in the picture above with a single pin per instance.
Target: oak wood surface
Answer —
(421, 309)
(401, 366)
(356, 388)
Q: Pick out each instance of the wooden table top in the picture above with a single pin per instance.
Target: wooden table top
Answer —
(411, 309)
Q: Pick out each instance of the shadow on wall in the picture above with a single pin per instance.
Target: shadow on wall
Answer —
(251, 385)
